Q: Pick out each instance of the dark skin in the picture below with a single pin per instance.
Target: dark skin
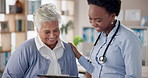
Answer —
(100, 20)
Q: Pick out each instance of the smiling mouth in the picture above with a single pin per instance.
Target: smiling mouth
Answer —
(97, 28)
(51, 39)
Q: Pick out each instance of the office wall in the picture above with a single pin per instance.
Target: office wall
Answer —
(81, 13)
(81, 16)
(135, 4)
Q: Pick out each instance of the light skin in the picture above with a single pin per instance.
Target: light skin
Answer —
(49, 33)
(100, 20)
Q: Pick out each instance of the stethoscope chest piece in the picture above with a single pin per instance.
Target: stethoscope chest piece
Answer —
(102, 59)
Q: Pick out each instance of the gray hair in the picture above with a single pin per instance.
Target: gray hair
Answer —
(46, 13)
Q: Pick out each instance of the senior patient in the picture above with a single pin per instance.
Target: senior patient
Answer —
(44, 54)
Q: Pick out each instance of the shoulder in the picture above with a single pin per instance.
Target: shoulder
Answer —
(66, 45)
(126, 35)
(127, 31)
(27, 47)
(68, 48)
(25, 50)
(27, 43)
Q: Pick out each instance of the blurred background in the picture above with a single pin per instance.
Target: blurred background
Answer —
(16, 25)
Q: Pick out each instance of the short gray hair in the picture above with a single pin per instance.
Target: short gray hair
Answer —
(46, 13)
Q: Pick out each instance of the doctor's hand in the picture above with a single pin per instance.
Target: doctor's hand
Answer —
(76, 52)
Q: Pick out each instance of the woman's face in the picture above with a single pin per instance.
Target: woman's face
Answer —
(49, 33)
(100, 18)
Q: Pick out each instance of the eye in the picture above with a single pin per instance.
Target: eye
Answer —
(46, 32)
(90, 18)
(98, 20)
(56, 30)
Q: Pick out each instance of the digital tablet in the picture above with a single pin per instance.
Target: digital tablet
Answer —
(55, 76)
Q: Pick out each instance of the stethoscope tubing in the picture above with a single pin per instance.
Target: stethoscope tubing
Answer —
(103, 58)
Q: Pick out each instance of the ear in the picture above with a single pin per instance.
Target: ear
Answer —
(113, 15)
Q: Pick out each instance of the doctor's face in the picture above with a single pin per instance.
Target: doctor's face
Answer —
(49, 33)
(100, 18)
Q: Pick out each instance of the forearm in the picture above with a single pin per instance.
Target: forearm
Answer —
(86, 64)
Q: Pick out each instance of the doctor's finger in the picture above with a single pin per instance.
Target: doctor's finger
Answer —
(76, 52)
(74, 48)
(71, 44)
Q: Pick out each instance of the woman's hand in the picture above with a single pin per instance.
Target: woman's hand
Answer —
(76, 52)
(88, 75)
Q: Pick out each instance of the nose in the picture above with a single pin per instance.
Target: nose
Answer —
(51, 35)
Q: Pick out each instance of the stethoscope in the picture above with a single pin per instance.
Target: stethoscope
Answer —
(103, 59)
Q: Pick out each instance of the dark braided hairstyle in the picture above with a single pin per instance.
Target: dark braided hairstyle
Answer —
(111, 6)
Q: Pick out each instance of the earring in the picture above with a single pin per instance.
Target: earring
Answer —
(112, 22)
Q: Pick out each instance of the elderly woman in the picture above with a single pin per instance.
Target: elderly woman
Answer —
(44, 54)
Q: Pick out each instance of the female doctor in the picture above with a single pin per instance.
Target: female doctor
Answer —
(116, 52)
